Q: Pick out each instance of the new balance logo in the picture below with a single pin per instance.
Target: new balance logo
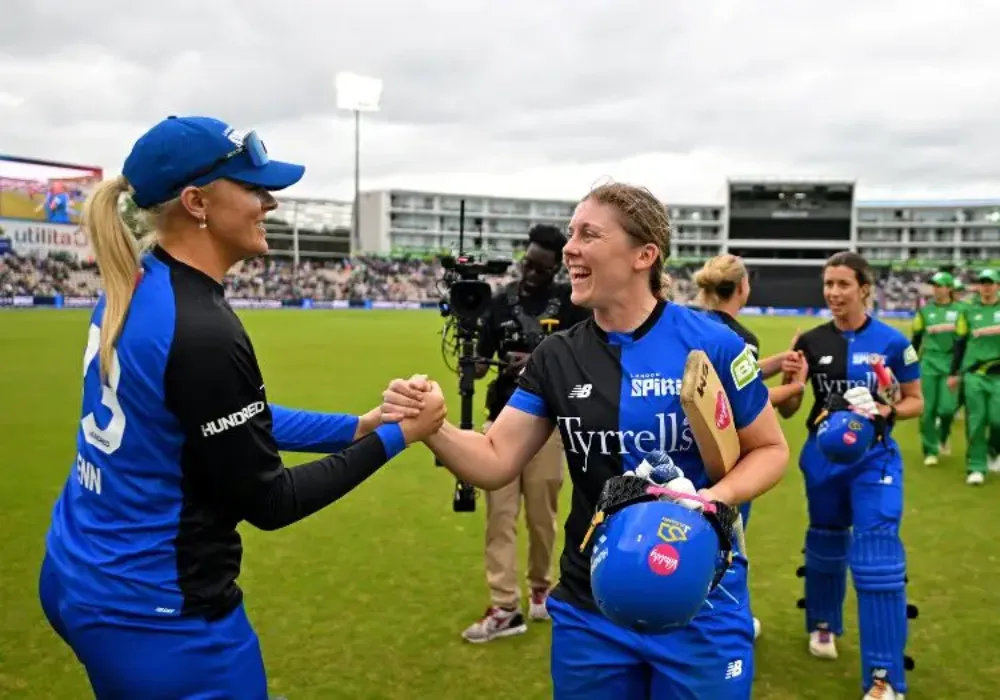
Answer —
(581, 391)
(734, 669)
(220, 425)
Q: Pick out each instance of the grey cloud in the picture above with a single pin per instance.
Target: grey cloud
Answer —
(882, 90)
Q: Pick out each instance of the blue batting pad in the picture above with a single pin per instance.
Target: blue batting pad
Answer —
(878, 567)
(826, 578)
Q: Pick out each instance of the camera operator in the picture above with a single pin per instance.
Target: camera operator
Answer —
(518, 318)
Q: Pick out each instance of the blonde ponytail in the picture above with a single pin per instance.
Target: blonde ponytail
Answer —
(718, 279)
(117, 254)
(662, 285)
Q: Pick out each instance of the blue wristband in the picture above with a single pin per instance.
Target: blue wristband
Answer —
(392, 439)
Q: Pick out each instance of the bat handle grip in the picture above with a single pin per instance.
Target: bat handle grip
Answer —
(882, 374)
(678, 495)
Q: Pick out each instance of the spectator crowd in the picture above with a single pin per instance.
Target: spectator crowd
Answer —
(358, 278)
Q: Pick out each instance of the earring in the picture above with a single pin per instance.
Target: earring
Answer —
(202, 223)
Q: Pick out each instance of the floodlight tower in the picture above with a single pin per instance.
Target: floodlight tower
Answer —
(358, 94)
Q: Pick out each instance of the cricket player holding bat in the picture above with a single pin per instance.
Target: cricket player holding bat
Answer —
(855, 510)
(611, 386)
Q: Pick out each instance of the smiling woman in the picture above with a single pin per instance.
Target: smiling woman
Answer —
(581, 382)
(177, 442)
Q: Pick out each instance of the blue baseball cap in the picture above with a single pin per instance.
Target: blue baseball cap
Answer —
(183, 151)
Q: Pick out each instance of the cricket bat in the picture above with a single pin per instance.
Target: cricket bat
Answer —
(710, 415)
(888, 388)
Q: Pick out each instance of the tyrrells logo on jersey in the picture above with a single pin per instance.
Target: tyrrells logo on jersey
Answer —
(220, 425)
(673, 434)
(653, 384)
(829, 386)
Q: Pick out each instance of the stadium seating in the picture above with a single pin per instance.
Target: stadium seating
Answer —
(359, 278)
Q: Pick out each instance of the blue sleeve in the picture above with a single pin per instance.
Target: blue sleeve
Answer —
(741, 378)
(311, 431)
(903, 359)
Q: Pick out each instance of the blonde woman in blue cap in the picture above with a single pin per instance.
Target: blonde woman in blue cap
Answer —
(177, 442)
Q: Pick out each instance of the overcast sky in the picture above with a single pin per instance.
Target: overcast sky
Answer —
(529, 97)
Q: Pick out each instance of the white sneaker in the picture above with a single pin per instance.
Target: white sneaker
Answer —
(993, 464)
(930, 460)
(536, 606)
(495, 624)
(944, 449)
(881, 689)
(756, 629)
(975, 478)
(822, 643)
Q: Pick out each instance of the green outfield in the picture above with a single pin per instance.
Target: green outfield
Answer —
(366, 600)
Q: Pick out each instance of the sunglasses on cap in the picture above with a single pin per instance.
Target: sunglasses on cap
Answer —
(251, 145)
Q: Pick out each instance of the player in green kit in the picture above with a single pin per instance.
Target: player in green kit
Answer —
(934, 339)
(960, 303)
(959, 299)
(976, 366)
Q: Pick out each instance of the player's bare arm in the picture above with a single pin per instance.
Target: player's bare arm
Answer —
(789, 405)
(488, 461)
(367, 422)
(771, 366)
(494, 459)
(795, 386)
(764, 458)
(910, 404)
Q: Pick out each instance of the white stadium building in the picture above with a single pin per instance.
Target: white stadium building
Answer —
(404, 220)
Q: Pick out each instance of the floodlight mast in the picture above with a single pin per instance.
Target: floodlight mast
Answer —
(357, 93)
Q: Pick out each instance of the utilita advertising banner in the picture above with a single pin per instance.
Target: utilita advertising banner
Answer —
(29, 238)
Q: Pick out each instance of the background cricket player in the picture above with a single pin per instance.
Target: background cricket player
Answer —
(177, 443)
(933, 337)
(855, 512)
(521, 306)
(723, 290)
(959, 298)
(611, 386)
(975, 369)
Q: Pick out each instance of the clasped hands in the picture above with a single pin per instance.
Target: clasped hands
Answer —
(417, 404)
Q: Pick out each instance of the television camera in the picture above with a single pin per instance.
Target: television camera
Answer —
(464, 302)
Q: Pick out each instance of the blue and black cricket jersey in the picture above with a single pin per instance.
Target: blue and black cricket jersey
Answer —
(616, 396)
(841, 360)
(179, 446)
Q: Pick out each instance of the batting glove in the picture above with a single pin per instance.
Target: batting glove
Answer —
(862, 401)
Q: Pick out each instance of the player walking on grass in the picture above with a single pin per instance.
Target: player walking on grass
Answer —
(178, 443)
(960, 302)
(611, 386)
(975, 369)
(933, 337)
(855, 512)
(723, 290)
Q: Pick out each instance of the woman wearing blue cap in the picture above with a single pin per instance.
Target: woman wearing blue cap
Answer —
(177, 442)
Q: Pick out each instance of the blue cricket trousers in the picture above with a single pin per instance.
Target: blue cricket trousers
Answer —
(595, 659)
(127, 658)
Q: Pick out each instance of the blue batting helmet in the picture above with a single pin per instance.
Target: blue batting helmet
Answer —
(843, 437)
(654, 564)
